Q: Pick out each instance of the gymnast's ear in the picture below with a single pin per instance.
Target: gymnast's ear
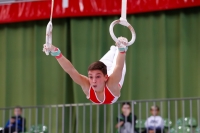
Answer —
(106, 76)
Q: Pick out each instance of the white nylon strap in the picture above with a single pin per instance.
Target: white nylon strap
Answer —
(123, 10)
(49, 30)
(123, 22)
(52, 5)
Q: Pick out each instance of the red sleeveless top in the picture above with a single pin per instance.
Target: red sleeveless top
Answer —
(109, 98)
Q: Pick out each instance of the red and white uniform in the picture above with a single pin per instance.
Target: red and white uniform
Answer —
(109, 97)
(109, 59)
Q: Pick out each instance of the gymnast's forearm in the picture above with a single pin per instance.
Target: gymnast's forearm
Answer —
(64, 62)
(120, 61)
(66, 65)
(73, 73)
(117, 73)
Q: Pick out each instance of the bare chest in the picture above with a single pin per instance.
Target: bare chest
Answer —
(100, 96)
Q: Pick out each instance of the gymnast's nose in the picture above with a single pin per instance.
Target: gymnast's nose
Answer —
(94, 80)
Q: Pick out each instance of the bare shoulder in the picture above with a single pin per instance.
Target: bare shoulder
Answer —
(85, 87)
(114, 88)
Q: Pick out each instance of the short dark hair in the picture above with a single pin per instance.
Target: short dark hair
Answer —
(155, 106)
(98, 65)
(13, 117)
(126, 103)
(18, 107)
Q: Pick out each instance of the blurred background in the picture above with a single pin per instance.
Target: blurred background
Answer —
(162, 63)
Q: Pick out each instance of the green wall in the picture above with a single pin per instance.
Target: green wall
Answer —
(162, 63)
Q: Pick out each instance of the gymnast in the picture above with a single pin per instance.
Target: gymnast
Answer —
(105, 77)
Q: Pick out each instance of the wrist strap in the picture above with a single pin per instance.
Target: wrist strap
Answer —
(56, 53)
(59, 56)
(123, 50)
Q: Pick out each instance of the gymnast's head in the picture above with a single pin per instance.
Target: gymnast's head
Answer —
(97, 74)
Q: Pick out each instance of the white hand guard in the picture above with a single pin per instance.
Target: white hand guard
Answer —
(48, 37)
(122, 44)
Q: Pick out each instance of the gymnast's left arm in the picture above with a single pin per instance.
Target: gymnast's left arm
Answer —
(116, 76)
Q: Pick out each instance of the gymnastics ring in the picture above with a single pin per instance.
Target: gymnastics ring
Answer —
(124, 23)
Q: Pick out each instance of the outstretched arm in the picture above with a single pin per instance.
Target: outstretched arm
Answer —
(69, 68)
(116, 76)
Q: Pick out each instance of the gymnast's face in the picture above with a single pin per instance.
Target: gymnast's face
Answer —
(97, 79)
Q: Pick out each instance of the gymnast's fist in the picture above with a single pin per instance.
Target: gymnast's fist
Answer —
(122, 41)
(122, 44)
(46, 48)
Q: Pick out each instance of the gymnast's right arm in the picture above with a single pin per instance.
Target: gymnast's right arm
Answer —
(68, 67)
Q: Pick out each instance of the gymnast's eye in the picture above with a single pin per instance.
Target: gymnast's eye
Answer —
(90, 77)
(98, 76)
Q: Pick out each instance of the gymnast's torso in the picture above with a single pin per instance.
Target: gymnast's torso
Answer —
(109, 97)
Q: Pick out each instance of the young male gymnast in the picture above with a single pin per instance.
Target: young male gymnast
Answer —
(105, 77)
